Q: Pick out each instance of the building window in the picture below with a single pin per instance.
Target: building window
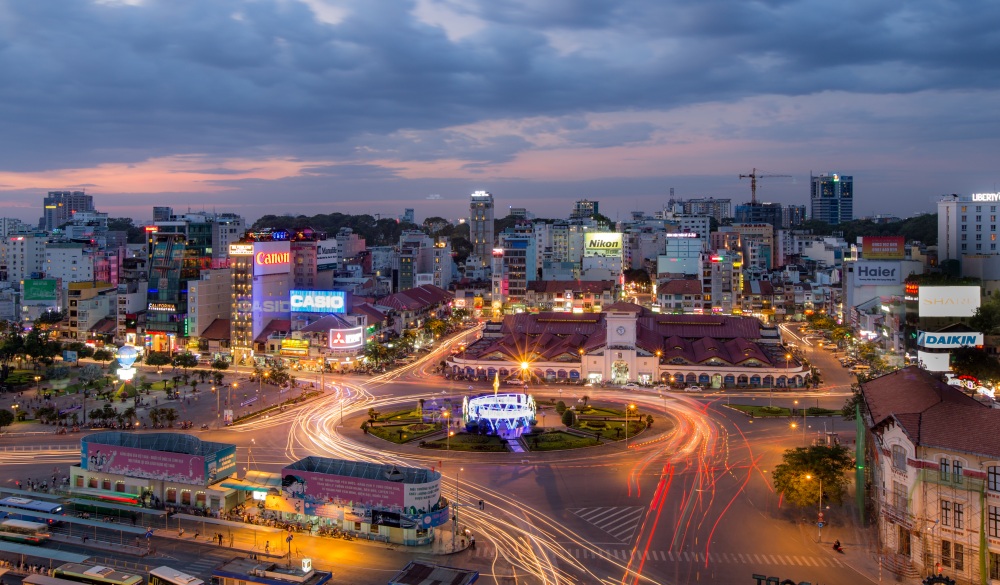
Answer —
(993, 478)
(899, 496)
(945, 553)
(993, 522)
(956, 471)
(994, 565)
(959, 556)
(959, 516)
(899, 457)
(943, 470)
(945, 513)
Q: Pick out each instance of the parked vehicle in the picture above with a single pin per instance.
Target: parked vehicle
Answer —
(693, 389)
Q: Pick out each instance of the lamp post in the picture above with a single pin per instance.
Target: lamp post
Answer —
(627, 409)
(788, 356)
(819, 521)
(218, 413)
(38, 386)
(447, 426)
(583, 365)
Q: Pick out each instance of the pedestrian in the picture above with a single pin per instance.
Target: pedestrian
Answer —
(220, 539)
(267, 547)
(472, 542)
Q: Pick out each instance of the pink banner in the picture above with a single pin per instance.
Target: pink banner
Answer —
(320, 487)
(175, 467)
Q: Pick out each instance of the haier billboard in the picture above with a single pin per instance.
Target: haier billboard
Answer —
(318, 301)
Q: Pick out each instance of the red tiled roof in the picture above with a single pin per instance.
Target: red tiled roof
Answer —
(104, 326)
(414, 299)
(217, 330)
(696, 326)
(681, 287)
(374, 315)
(624, 307)
(581, 286)
(275, 326)
(932, 413)
(326, 323)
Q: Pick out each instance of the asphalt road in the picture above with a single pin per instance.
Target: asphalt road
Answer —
(687, 502)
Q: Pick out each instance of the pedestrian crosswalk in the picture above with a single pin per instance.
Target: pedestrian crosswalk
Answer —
(618, 521)
(205, 564)
(751, 559)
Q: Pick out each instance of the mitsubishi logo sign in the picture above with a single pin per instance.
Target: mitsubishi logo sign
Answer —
(347, 338)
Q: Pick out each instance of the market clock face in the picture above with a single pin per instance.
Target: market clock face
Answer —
(620, 330)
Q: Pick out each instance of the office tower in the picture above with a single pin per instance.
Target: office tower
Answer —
(481, 226)
(61, 205)
(162, 213)
(584, 209)
(408, 216)
(756, 212)
(832, 198)
(717, 208)
(792, 216)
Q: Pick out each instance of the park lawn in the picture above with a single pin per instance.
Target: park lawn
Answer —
(606, 429)
(409, 432)
(469, 442)
(558, 440)
(600, 411)
(781, 411)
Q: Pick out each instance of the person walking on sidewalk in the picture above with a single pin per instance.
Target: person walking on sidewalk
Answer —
(267, 547)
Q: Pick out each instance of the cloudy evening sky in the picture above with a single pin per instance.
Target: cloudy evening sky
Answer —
(316, 106)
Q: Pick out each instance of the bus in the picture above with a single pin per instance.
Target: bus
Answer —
(27, 505)
(169, 576)
(95, 575)
(24, 532)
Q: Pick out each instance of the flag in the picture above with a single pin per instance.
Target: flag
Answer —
(496, 383)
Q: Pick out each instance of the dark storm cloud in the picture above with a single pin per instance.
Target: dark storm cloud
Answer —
(92, 82)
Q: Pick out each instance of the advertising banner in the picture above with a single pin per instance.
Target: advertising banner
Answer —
(934, 362)
(320, 487)
(930, 339)
(948, 301)
(868, 273)
(883, 247)
(392, 520)
(241, 249)
(295, 347)
(317, 301)
(602, 244)
(423, 496)
(271, 258)
(39, 290)
(221, 464)
(141, 463)
(70, 357)
(326, 256)
(347, 338)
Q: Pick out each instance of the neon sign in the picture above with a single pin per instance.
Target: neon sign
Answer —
(272, 258)
(317, 301)
(347, 338)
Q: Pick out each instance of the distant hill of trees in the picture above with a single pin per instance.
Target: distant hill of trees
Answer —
(922, 228)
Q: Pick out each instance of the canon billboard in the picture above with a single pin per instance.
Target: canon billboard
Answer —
(929, 339)
(877, 273)
(271, 258)
(602, 244)
(318, 301)
(948, 301)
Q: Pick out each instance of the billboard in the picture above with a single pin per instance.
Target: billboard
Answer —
(948, 301)
(326, 256)
(43, 289)
(602, 244)
(353, 338)
(317, 301)
(868, 273)
(241, 249)
(220, 464)
(883, 247)
(929, 339)
(934, 362)
(271, 258)
(145, 464)
(316, 487)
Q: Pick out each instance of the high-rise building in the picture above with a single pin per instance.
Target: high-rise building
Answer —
(967, 225)
(832, 198)
(718, 208)
(162, 213)
(408, 216)
(757, 212)
(792, 216)
(481, 226)
(584, 209)
(59, 207)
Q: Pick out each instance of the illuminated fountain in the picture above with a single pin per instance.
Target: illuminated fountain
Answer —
(504, 413)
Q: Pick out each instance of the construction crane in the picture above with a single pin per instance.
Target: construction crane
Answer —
(753, 176)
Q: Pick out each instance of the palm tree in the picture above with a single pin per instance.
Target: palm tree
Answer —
(154, 416)
(373, 414)
(171, 416)
(129, 415)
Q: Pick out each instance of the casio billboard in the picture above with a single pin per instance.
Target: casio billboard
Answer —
(317, 301)
(877, 273)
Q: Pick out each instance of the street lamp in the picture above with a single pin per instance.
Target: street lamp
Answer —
(630, 407)
(260, 381)
(788, 356)
(38, 387)
(803, 422)
(447, 426)
(819, 521)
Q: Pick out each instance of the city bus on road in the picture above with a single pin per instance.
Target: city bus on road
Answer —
(24, 532)
(95, 575)
(170, 576)
(26, 506)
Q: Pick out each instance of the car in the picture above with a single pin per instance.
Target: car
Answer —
(631, 386)
(693, 389)
(514, 382)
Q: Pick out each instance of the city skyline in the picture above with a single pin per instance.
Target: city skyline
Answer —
(372, 108)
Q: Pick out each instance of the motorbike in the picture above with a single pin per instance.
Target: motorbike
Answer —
(837, 547)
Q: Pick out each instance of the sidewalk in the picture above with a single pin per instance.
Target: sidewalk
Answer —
(860, 552)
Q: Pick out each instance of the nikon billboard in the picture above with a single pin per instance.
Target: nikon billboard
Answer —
(602, 244)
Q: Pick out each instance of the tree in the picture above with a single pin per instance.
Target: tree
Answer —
(569, 418)
(6, 418)
(103, 355)
(585, 399)
(804, 469)
(560, 407)
(849, 410)
(170, 415)
(185, 360)
(970, 361)
(373, 414)
(158, 358)
(987, 316)
(220, 364)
